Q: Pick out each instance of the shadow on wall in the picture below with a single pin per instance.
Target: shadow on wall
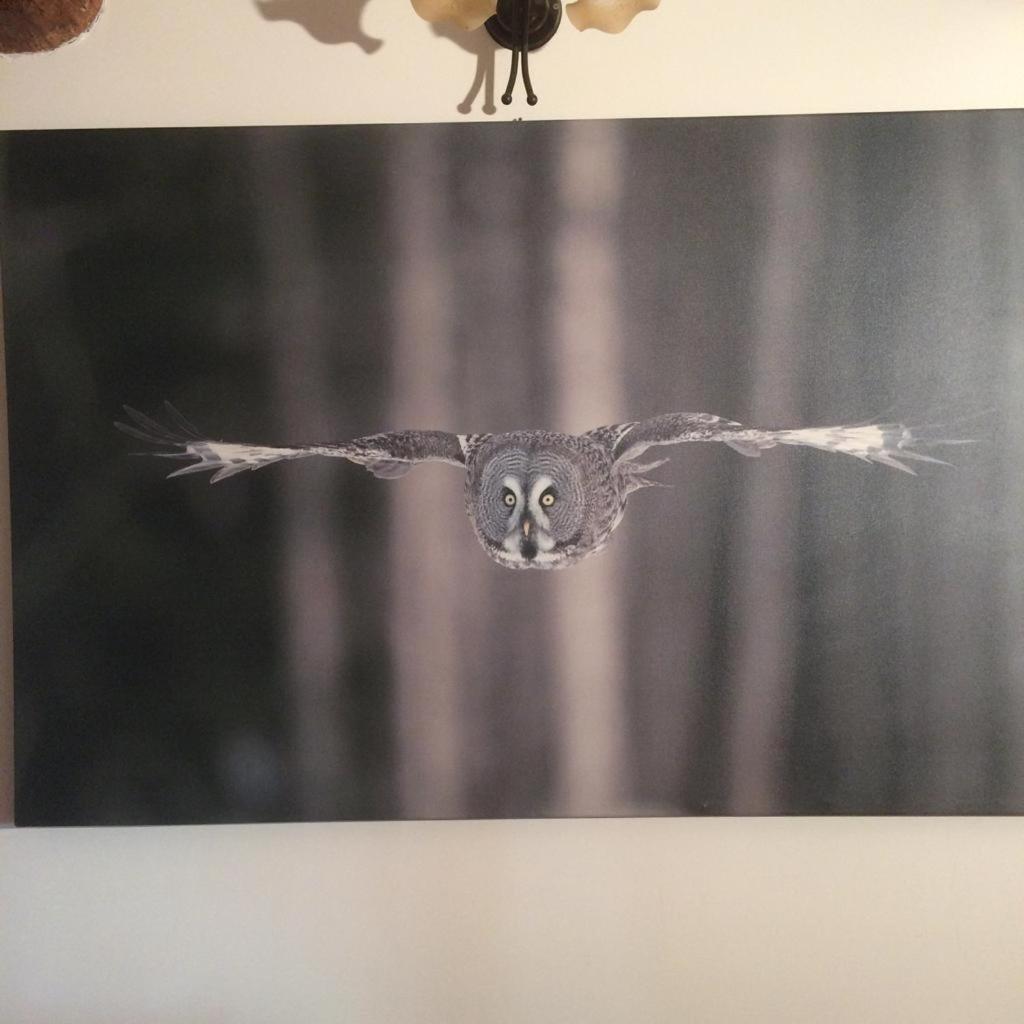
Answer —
(480, 44)
(334, 22)
(327, 21)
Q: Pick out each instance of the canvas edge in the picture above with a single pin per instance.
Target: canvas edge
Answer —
(6, 602)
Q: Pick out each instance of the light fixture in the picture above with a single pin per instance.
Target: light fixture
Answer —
(525, 25)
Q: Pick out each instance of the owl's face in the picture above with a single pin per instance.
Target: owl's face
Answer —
(530, 500)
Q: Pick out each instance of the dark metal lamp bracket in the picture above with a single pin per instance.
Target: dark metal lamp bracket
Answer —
(522, 26)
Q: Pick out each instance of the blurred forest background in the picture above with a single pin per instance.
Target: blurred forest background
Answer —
(795, 634)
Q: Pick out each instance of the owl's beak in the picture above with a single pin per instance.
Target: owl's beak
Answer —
(528, 547)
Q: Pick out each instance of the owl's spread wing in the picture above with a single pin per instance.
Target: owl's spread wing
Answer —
(385, 455)
(890, 444)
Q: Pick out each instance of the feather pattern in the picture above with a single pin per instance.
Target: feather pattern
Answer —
(538, 499)
(384, 455)
(886, 444)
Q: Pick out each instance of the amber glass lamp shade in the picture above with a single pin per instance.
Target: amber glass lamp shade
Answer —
(526, 25)
(607, 15)
(467, 14)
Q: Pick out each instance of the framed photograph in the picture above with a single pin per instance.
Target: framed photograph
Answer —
(657, 467)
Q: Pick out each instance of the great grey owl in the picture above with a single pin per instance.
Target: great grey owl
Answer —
(536, 499)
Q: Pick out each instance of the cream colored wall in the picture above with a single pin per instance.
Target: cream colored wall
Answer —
(151, 62)
(659, 920)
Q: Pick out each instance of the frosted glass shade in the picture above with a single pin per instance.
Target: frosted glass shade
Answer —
(468, 14)
(607, 15)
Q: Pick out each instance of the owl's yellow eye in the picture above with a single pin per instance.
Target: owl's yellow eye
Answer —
(508, 496)
(547, 499)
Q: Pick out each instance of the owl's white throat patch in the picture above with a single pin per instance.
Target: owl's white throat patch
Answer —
(514, 559)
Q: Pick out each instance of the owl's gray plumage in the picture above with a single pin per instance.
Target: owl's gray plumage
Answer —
(510, 479)
(536, 499)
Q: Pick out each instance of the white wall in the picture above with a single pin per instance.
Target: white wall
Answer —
(658, 920)
(148, 62)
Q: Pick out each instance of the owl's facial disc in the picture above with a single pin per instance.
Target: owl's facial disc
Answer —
(529, 506)
(527, 538)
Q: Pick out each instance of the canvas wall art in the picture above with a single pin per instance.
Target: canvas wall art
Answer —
(665, 467)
